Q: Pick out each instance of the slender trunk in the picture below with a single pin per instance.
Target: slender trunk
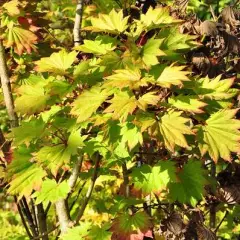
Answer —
(78, 23)
(42, 221)
(6, 87)
(63, 216)
(213, 206)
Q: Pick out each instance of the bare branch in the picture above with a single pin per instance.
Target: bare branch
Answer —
(78, 23)
(42, 221)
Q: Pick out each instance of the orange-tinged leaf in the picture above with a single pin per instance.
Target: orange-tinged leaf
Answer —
(21, 39)
(122, 104)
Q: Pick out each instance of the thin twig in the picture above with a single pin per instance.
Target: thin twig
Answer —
(46, 233)
(219, 225)
(89, 192)
(125, 179)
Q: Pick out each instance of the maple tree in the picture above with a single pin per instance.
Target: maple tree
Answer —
(118, 122)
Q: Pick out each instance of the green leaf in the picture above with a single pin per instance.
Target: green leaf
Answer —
(131, 135)
(154, 179)
(190, 187)
(114, 22)
(54, 157)
(57, 63)
(172, 127)
(157, 18)
(33, 98)
(172, 75)
(220, 135)
(24, 176)
(215, 88)
(99, 233)
(122, 104)
(77, 233)
(187, 103)
(88, 103)
(100, 46)
(151, 50)
(51, 191)
(28, 131)
(12, 7)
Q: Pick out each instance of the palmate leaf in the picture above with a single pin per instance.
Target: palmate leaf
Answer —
(33, 98)
(122, 105)
(21, 39)
(176, 43)
(149, 98)
(114, 22)
(220, 135)
(128, 227)
(28, 131)
(77, 233)
(154, 179)
(12, 7)
(171, 127)
(151, 50)
(190, 187)
(157, 18)
(187, 103)
(172, 75)
(57, 63)
(23, 175)
(131, 135)
(51, 191)
(100, 46)
(88, 103)
(55, 157)
(100, 233)
(215, 88)
(125, 78)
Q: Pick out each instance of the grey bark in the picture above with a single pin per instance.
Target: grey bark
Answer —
(78, 23)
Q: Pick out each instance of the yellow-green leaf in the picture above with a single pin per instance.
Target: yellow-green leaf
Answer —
(187, 103)
(114, 22)
(57, 63)
(172, 75)
(88, 103)
(220, 135)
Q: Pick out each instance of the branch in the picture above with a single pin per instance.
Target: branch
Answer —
(75, 172)
(23, 219)
(45, 233)
(219, 225)
(78, 23)
(63, 215)
(125, 179)
(42, 221)
(6, 87)
(89, 192)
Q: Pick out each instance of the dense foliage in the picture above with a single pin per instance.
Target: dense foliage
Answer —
(130, 131)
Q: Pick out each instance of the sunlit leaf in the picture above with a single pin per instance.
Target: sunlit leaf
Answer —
(220, 135)
(51, 191)
(57, 63)
(154, 179)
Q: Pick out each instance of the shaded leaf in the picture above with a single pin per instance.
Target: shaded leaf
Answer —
(190, 187)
